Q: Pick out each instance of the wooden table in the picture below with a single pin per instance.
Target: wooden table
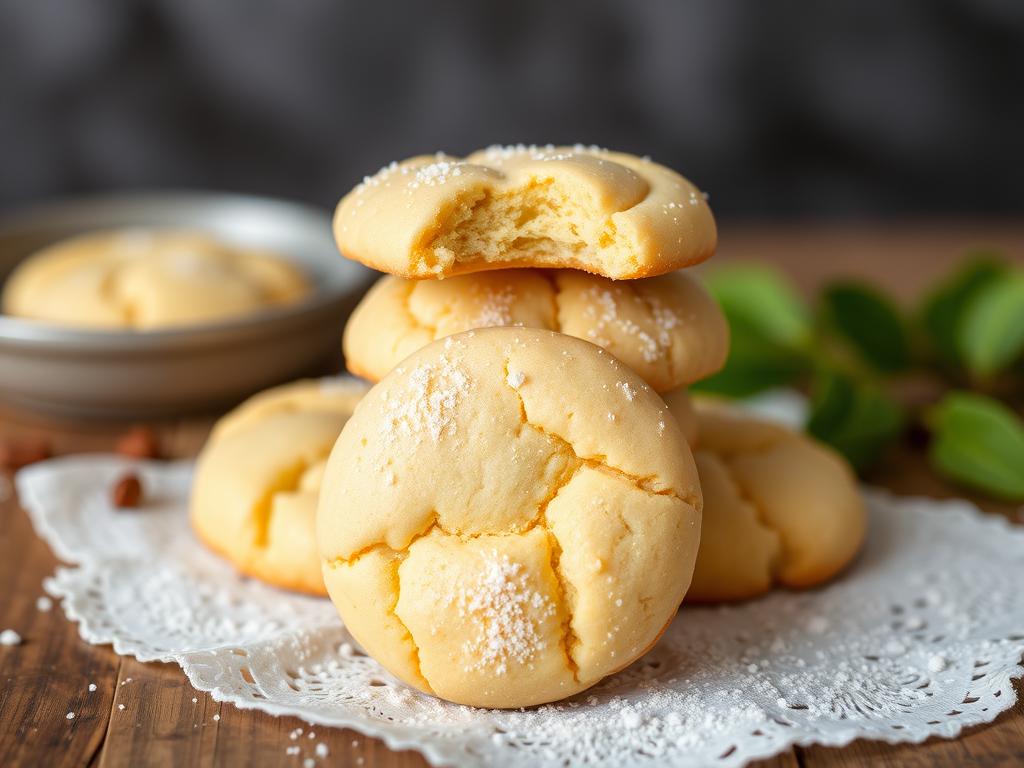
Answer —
(165, 722)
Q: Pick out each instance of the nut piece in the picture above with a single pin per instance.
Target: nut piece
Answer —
(127, 492)
(139, 442)
(15, 454)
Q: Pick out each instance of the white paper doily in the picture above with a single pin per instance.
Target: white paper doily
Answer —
(920, 638)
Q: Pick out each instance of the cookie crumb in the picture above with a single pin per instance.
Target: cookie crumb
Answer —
(120, 707)
(70, 715)
(92, 687)
(937, 663)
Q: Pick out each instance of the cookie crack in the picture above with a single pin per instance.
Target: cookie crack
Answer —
(393, 612)
(568, 639)
(413, 317)
(597, 463)
(286, 481)
(775, 566)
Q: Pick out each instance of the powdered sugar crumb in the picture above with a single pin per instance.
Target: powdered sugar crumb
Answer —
(515, 378)
(9, 637)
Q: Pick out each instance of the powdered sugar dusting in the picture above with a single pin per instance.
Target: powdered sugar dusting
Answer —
(505, 611)
(427, 406)
(495, 309)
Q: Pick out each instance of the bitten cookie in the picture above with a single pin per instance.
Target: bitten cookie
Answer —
(146, 280)
(585, 208)
(258, 476)
(509, 516)
(667, 329)
(779, 508)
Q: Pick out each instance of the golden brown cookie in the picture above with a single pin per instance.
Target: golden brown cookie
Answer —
(603, 212)
(509, 516)
(667, 329)
(780, 509)
(145, 280)
(258, 476)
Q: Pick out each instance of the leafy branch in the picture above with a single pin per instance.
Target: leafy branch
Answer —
(952, 366)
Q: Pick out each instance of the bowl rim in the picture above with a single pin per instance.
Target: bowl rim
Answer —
(329, 288)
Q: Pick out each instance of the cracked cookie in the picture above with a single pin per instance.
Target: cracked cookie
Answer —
(509, 516)
(146, 280)
(585, 208)
(257, 479)
(668, 329)
(780, 509)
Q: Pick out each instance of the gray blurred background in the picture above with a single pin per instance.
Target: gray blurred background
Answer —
(789, 109)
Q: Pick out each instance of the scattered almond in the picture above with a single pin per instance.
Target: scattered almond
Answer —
(127, 492)
(15, 454)
(139, 442)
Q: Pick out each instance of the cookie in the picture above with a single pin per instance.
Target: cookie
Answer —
(146, 280)
(509, 516)
(584, 208)
(258, 476)
(668, 329)
(780, 509)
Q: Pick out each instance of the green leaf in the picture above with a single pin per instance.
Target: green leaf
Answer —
(991, 332)
(760, 297)
(755, 363)
(944, 306)
(869, 322)
(979, 442)
(855, 418)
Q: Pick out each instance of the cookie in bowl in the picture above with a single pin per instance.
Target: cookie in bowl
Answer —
(668, 328)
(257, 478)
(608, 213)
(148, 280)
(498, 535)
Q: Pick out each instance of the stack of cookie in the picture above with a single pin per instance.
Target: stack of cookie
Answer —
(601, 232)
(514, 510)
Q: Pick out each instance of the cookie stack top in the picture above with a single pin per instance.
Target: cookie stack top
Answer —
(579, 240)
(607, 213)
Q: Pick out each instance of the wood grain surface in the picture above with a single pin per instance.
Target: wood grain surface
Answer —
(148, 714)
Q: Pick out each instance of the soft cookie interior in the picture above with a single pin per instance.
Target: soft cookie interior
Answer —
(584, 208)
